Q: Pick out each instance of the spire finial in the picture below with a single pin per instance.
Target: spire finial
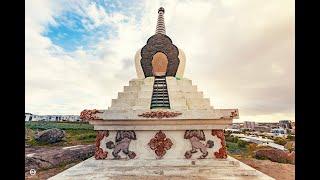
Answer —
(160, 29)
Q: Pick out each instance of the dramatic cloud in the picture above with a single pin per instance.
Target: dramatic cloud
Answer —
(240, 53)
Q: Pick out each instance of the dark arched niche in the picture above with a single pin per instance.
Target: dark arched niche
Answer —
(159, 43)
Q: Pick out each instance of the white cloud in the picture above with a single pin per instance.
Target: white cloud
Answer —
(240, 53)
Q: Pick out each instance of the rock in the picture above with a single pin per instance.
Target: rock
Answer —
(50, 136)
(53, 157)
(275, 155)
(292, 157)
(34, 163)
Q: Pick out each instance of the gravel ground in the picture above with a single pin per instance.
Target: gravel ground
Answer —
(276, 170)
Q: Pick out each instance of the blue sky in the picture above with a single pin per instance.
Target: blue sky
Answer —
(240, 53)
(70, 31)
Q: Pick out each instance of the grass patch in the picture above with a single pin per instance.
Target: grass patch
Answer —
(76, 133)
(237, 147)
(43, 125)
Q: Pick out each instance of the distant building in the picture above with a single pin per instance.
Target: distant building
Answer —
(278, 131)
(27, 117)
(286, 124)
(235, 126)
(32, 117)
(262, 128)
(249, 125)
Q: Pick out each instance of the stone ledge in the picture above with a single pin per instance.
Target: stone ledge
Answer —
(229, 168)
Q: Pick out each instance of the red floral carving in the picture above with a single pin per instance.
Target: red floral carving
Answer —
(159, 114)
(87, 115)
(222, 153)
(99, 153)
(160, 144)
(234, 114)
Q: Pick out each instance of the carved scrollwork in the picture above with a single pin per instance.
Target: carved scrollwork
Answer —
(159, 114)
(99, 153)
(222, 153)
(160, 143)
(87, 115)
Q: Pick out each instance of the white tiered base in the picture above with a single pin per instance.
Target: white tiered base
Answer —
(229, 168)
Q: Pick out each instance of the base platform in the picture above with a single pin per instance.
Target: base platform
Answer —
(229, 168)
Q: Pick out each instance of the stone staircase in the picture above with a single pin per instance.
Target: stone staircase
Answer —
(181, 169)
(160, 97)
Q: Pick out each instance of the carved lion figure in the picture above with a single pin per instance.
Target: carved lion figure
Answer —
(122, 142)
(195, 137)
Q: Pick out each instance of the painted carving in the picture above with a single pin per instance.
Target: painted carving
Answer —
(234, 114)
(222, 153)
(159, 43)
(87, 115)
(122, 142)
(159, 114)
(99, 153)
(160, 144)
(195, 137)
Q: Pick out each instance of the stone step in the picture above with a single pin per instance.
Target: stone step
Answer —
(170, 162)
(173, 171)
(229, 168)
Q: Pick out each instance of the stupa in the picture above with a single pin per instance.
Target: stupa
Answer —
(160, 125)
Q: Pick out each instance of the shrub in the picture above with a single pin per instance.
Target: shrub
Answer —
(242, 143)
(280, 141)
(232, 139)
(290, 137)
(290, 146)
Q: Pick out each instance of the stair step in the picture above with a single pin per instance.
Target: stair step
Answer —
(160, 98)
(156, 98)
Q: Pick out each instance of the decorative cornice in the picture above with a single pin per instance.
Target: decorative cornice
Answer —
(87, 115)
(159, 114)
(234, 114)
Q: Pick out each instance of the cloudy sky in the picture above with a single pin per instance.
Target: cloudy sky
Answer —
(240, 53)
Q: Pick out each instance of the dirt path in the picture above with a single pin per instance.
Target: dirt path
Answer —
(276, 170)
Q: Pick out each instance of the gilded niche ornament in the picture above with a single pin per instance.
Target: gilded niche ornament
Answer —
(160, 144)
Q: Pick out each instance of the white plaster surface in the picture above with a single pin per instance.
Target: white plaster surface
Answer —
(138, 66)
(182, 64)
(183, 96)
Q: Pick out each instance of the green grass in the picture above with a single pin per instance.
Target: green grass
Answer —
(238, 148)
(60, 125)
(76, 133)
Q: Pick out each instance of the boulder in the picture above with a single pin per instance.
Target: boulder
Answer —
(275, 155)
(50, 136)
(51, 157)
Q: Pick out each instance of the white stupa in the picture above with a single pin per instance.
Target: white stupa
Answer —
(160, 125)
